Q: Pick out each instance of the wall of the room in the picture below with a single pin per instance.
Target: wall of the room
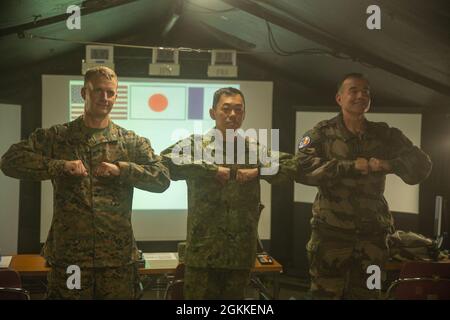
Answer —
(9, 195)
(290, 221)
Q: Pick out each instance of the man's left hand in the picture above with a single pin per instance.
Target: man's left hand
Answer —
(106, 169)
(245, 175)
(377, 165)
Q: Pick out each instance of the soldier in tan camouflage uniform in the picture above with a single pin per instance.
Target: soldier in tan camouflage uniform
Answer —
(348, 158)
(223, 204)
(94, 165)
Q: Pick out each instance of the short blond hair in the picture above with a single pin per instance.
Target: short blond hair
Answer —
(100, 71)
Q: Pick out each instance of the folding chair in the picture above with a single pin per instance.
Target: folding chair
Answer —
(174, 290)
(422, 281)
(10, 278)
(11, 286)
(14, 294)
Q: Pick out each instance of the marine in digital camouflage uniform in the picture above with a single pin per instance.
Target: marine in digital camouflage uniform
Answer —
(348, 158)
(223, 205)
(94, 165)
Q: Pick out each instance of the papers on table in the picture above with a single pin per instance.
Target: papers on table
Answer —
(161, 260)
(5, 261)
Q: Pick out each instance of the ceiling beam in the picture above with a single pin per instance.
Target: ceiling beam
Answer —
(333, 43)
(85, 10)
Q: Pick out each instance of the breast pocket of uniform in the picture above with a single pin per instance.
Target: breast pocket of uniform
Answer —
(337, 149)
(376, 150)
(66, 151)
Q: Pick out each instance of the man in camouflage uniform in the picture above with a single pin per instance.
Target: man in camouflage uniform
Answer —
(94, 165)
(223, 200)
(348, 158)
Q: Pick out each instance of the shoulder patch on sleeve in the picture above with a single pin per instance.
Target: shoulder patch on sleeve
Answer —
(304, 142)
(311, 137)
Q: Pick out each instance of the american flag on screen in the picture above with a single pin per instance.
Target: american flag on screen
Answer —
(118, 112)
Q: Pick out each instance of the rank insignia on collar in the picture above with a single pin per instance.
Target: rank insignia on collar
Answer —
(304, 142)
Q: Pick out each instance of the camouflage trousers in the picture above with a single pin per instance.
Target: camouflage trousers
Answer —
(339, 261)
(96, 283)
(215, 284)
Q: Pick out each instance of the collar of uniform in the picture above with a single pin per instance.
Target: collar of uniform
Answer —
(342, 129)
(78, 133)
(108, 135)
(370, 131)
(75, 132)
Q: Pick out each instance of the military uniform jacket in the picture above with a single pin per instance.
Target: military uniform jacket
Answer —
(91, 225)
(347, 200)
(222, 220)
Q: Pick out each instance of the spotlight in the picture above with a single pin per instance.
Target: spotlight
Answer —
(223, 64)
(98, 56)
(164, 63)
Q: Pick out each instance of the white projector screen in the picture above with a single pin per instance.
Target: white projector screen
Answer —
(157, 217)
(400, 196)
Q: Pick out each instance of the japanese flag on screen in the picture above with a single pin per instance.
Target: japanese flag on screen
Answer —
(158, 102)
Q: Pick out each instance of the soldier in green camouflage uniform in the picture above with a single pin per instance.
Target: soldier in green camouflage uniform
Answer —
(223, 205)
(348, 158)
(94, 165)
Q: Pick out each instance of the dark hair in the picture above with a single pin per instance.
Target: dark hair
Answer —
(353, 75)
(99, 71)
(229, 91)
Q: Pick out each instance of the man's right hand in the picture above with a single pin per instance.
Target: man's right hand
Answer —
(362, 165)
(75, 168)
(223, 175)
